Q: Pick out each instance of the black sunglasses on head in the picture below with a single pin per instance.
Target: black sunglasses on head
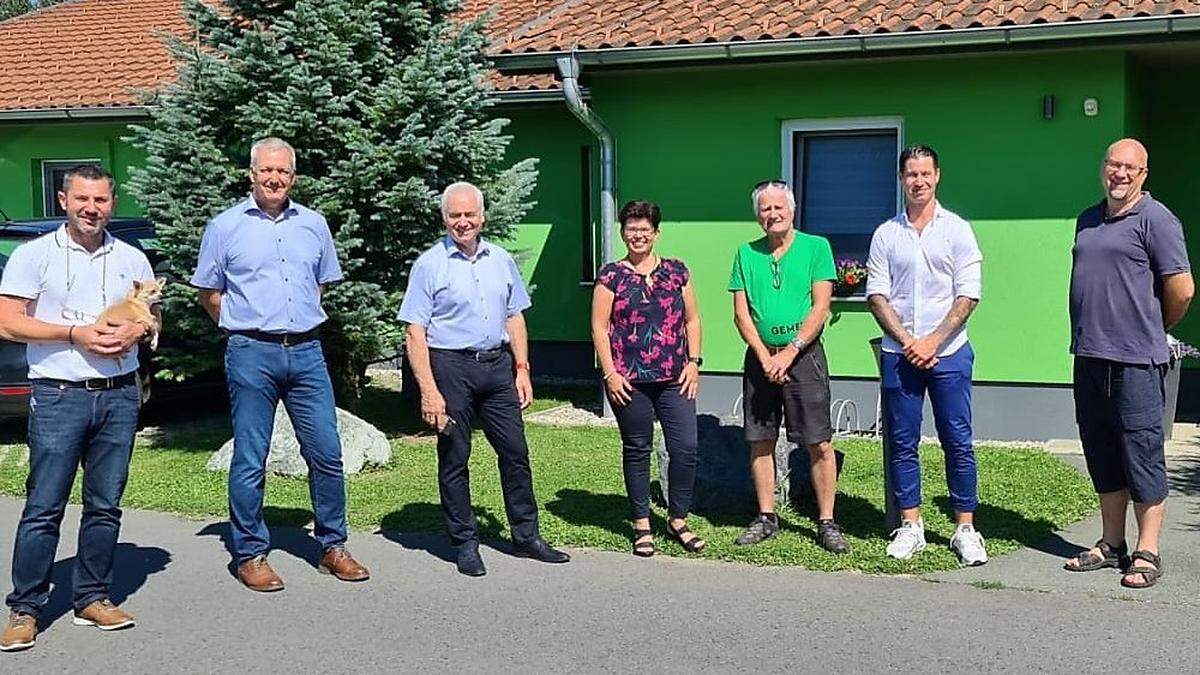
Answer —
(773, 183)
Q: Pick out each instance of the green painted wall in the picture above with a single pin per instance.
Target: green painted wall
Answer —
(24, 146)
(696, 141)
(549, 245)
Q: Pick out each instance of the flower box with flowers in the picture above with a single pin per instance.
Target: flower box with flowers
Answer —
(851, 277)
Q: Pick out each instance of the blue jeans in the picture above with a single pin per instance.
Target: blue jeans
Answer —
(949, 386)
(69, 427)
(259, 374)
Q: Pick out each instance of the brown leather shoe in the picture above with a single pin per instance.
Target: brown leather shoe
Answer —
(19, 634)
(103, 615)
(338, 562)
(257, 575)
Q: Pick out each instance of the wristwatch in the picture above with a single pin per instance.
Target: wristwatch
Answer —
(698, 360)
(798, 342)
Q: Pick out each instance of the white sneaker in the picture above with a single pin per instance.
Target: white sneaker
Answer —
(907, 540)
(968, 544)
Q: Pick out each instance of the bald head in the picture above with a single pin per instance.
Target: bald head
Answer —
(1131, 148)
(1126, 164)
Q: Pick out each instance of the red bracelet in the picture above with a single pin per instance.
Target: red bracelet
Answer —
(522, 365)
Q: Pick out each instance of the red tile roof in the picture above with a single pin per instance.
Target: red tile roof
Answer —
(599, 24)
(98, 53)
(86, 53)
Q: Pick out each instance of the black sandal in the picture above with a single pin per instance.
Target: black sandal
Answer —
(1110, 556)
(643, 549)
(1150, 575)
(693, 545)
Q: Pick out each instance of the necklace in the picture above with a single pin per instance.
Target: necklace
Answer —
(74, 314)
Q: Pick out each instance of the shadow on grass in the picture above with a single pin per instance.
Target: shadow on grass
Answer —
(420, 526)
(588, 509)
(1001, 523)
(390, 412)
(285, 532)
(132, 566)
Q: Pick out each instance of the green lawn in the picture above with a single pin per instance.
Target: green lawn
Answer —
(1025, 494)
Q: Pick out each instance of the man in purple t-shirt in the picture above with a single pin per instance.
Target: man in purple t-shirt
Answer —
(1130, 283)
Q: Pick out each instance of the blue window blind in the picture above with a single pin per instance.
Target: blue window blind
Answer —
(845, 185)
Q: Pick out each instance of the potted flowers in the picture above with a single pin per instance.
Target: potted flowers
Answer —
(851, 277)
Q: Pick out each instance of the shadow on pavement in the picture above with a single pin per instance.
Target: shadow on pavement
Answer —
(287, 533)
(1002, 523)
(420, 527)
(132, 565)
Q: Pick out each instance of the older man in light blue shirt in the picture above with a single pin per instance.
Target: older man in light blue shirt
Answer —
(468, 350)
(261, 268)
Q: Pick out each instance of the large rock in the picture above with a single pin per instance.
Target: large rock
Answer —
(362, 445)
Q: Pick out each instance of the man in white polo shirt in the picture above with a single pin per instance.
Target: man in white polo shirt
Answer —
(923, 282)
(84, 406)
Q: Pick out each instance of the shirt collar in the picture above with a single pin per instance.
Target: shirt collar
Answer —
(64, 240)
(938, 212)
(251, 206)
(451, 248)
(1133, 210)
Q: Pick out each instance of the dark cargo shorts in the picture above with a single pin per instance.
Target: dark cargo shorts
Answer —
(802, 404)
(1119, 408)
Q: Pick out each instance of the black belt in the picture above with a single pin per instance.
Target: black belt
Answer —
(477, 354)
(285, 339)
(94, 384)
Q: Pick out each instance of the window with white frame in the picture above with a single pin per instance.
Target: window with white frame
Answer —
(53, 171)
(843, 173)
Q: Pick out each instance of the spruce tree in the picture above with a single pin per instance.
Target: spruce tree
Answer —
(386, 103)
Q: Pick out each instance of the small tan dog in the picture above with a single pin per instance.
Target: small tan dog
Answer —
(136, 307)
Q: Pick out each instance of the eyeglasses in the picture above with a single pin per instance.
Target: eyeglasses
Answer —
(776, 280)
(640, 231)
(1115, 167)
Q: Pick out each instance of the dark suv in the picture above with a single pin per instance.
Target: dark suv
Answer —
(14, 371)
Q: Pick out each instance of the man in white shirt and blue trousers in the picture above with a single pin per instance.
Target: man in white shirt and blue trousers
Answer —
(923, 282)
(83, 408)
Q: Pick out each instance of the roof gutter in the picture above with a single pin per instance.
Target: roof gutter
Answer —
(514, 96)
(999, 37)
(568, 70)
(107, 112)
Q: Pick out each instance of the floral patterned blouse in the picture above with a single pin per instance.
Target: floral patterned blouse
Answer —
(647, 332)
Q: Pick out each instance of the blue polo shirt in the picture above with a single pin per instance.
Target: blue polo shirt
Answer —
(268, 269)
(1116, 281)
(463, 303)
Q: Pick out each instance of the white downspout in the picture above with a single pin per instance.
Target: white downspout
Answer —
(568, 69)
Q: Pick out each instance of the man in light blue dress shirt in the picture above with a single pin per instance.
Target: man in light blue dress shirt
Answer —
(469, 353)
(262, 266)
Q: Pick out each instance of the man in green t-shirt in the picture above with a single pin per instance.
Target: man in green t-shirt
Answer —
(781, 286)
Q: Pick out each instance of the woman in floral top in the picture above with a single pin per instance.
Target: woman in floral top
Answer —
(646, 330)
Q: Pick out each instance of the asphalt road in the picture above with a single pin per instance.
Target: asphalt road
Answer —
(603, 612)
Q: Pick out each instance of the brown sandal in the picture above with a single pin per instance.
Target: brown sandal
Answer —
(693, 545)
(1150, 575)
(643, 549)
(1110, 556)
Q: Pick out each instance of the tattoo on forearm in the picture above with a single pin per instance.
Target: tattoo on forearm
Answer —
(887, 318)
(959, 312)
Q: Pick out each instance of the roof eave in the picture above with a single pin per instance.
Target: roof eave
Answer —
(88, 113)
(998, 37)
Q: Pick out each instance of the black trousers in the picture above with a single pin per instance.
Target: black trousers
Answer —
(636, 422)
(481, 387)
